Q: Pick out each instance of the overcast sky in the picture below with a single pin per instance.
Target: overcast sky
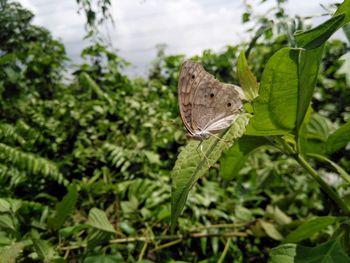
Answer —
(186, 26)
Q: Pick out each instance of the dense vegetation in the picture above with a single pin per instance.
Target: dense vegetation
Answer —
(86, 158)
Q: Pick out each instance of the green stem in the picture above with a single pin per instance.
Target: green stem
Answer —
(143, 250)
(307, 167)
(338, 168)
(325, 187)
(224, 253)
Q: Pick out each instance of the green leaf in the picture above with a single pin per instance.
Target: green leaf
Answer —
(309, 64)
(104, 259)
(247, 79)
(7, 58)
(271, 230)
(103, 229)
(275, 109)
(310, 228)
(12, 74)
(11, 253)
(234, 158)
(284, 253)
(4, 206)
(7, 222)
(278, 215)
(245, 17)
(329, 252)
(338, 139)
(315, 37)
(64, 208)
(68, 231)
(28, 162)
(98, 219)
(313, 135)
(97, 237)
(345, 67)
(86, 81)
(344, 8)
(195, 159)
(44, 249)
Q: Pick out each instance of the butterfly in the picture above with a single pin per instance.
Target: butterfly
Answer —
(206, 105)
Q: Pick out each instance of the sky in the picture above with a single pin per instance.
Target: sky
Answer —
(185, 26)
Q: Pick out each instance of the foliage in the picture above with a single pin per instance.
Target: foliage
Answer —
(279, 112)
(86, 160)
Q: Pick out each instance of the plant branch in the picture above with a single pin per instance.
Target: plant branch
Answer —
(307, 167)
(214, 226)
(143, 250)
(338, 168)
(325, 187)
(169, 244)
(176, 239)
(224, 253)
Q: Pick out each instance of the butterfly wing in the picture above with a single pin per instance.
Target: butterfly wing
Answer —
(186, 89)
(215, 106)
(206, 104)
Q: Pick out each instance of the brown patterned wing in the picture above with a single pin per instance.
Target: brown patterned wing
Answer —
(215, 105)
(205, 103)
(190, 77)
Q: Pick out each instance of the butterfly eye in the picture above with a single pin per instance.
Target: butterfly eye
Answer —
(211, 95)
(193, 76)
(229, 104)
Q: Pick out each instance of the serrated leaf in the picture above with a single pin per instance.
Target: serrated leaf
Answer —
(284, 253)
(310, 228)
(97, 237)
(247, 79)
(98, 219)
(44, 249)
(6, 222)
(9, 254)
(329, 252)
(4, 206)
(64, 208)
(194, 160)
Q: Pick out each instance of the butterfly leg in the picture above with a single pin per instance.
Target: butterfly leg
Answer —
(219, 138)
(201, 152)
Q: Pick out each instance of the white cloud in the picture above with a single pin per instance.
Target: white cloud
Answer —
(186, 26)
(29, 5)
